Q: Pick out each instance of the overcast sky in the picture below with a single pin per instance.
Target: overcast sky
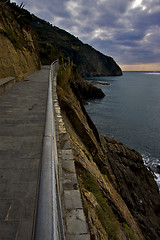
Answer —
(127, 30)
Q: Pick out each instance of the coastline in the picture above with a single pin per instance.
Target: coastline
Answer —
(112, 177)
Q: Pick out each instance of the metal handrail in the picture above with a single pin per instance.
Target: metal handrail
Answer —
(59, 208)
(49, 225)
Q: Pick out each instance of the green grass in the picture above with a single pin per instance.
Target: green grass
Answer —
(128, 232)
(88, 155)
(107, 219)
(104, 211)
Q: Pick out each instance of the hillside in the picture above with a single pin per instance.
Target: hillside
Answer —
(18, 55)
(55, 42)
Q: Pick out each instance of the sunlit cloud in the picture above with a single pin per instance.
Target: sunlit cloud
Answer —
(73, 8)
(138, 3)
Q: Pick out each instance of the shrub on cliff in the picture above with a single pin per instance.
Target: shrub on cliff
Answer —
(65, 73)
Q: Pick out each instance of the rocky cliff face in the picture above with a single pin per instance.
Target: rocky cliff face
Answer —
(134, 182)
(120, 196)
(18, 55)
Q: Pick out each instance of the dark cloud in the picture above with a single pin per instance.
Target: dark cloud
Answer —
(129, 36)
(128, 30)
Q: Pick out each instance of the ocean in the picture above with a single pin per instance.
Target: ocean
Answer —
(130, 113)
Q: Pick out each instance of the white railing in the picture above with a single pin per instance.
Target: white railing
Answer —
(49, 224)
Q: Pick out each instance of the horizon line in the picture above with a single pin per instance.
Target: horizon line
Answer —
(147, 67)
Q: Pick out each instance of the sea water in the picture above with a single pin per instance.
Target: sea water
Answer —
(130, 113)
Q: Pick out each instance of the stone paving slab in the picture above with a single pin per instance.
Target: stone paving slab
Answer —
(20, 154)
(72, 199)
(78, 237)
(26, 129)
(8, 230)
(76, 223)
(19, 163)
(68, 166)
(22, 123)
(67, 154)
(70, 181)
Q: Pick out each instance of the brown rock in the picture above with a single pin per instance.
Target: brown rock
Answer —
(19, 57)
(136, 185)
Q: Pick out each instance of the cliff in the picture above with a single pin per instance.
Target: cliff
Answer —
(18, 55)
(55, 42)
(120, 196)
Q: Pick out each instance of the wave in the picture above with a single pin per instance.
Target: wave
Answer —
(153, 165)
(158, 73)
(157, 178)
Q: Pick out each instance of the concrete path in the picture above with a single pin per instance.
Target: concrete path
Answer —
(22, 124)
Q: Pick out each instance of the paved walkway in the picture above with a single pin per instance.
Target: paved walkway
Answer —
(22, 124)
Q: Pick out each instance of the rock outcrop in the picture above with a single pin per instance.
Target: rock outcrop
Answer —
(120, 196)
(18, 55)
(135, 183)
(84, 89)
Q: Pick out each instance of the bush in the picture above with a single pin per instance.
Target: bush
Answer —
(65, 73)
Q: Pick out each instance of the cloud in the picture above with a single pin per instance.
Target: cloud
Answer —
(128, 30)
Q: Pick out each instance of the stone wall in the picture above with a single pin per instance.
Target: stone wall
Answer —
(6, 84)
(71, 202)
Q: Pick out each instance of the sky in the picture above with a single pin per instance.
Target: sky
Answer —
(127, 30)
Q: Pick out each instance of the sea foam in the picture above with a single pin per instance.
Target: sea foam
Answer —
(152, 164)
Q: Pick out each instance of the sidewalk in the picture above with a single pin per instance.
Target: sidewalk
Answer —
(22, 124)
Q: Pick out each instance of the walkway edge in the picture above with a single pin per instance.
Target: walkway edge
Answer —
(6, 84)
(76, 227)
(47, 216)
